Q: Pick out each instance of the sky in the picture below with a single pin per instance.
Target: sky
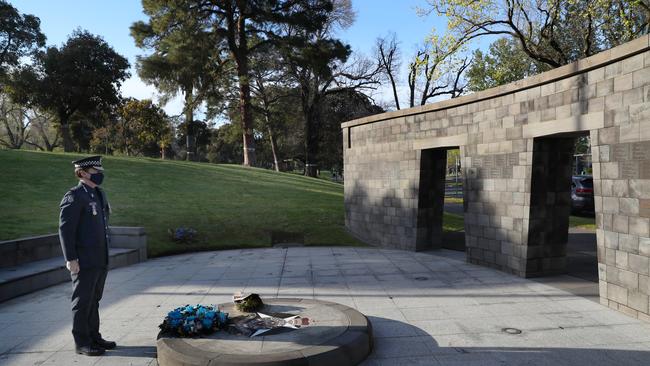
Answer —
(112, 19)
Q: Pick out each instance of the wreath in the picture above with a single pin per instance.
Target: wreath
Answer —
(191, 321)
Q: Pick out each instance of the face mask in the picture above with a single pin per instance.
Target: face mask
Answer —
(97, 178)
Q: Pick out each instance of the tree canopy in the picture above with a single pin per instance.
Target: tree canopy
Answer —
(554, 32)
(20, 35)
(82, 76)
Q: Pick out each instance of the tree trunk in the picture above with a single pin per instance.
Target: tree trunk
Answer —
(245, 93)
(272, 140)
(68, 144)
(311, 144)
(189, 126)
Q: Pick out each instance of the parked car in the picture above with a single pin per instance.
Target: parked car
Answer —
(582, 194)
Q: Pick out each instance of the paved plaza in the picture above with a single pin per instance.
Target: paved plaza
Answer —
(427, 308)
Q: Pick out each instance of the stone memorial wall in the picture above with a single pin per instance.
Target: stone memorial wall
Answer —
(516, 146)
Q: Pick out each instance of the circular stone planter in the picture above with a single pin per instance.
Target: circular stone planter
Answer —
(336, 335)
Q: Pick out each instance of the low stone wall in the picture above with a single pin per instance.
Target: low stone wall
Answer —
(25, 250)
(128, 237)
(35, 248)
(32, 264)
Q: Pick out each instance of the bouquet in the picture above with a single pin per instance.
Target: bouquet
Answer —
(190, 321)
(182, 234)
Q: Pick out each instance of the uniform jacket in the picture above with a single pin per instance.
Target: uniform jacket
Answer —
(83, 226)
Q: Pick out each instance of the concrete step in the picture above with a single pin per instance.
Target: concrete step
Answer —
(37, 275)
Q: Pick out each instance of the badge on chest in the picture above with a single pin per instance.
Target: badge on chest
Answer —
(94, 207)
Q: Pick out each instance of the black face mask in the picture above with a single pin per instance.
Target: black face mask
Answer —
(97, 178)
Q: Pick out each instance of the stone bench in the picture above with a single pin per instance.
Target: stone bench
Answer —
(31, 264)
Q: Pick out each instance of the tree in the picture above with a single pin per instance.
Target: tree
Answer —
(340, 106)
(388, 56)
(269, 89)
(184, 59)
(435, 70)
(83, 76)
(505, 62)
(201, 135)
(20, 35)
(235, 24)
(554, 32)
(225, 144)
(46, 136)
(318, 64)
(149, 128)
(14, 127)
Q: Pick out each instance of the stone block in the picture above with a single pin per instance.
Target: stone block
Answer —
(607, 187)
(547, 89)
(603, 153)
(629, 206)
(596, 75)
(622, 259)
(609, 170)
(639, 112)
(610, 205)
(640, 188)
(628, 311)
(605, 87)
(637, 301)
(639, 226)
(628, 279)
(630, 132)
(632, 96)
(623, 82)
(632, 64)
(610, 257)
(617, 293)
(641, 77)
(612, 70)
(638, 263)
(644, 284)
(628, 243)
(644, 246)
(620, 223)
(620, 188)
(614, 101)
(608, 136)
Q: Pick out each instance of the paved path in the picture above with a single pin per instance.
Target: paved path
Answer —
(426, 309)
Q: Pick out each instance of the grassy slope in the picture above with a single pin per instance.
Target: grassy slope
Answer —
(230, 206)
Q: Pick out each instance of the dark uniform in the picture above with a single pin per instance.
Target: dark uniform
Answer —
(83, 232)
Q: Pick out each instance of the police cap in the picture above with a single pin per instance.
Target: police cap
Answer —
(89, 162)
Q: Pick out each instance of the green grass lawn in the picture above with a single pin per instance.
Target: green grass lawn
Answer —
(453, 222)
(230, 206)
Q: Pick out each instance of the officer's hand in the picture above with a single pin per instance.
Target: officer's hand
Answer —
(73, 266)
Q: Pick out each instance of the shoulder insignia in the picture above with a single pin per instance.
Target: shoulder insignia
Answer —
(67, 199)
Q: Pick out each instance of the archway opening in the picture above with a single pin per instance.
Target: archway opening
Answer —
(440, 200)
(561, 234)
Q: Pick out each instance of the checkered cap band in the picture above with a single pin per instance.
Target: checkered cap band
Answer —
(97, 164)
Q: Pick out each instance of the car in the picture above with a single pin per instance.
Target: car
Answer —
(582, 194)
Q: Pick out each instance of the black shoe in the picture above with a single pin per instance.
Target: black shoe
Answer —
(90, 350)
(102, 343)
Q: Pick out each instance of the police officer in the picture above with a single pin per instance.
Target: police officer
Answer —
(83, 232)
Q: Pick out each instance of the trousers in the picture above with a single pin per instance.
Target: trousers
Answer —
(87, 291)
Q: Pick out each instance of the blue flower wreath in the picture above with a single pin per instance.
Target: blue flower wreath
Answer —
(190, 321)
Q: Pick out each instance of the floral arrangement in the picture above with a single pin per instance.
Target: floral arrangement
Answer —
(182, 234)
(190, 321)
(248, 303)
